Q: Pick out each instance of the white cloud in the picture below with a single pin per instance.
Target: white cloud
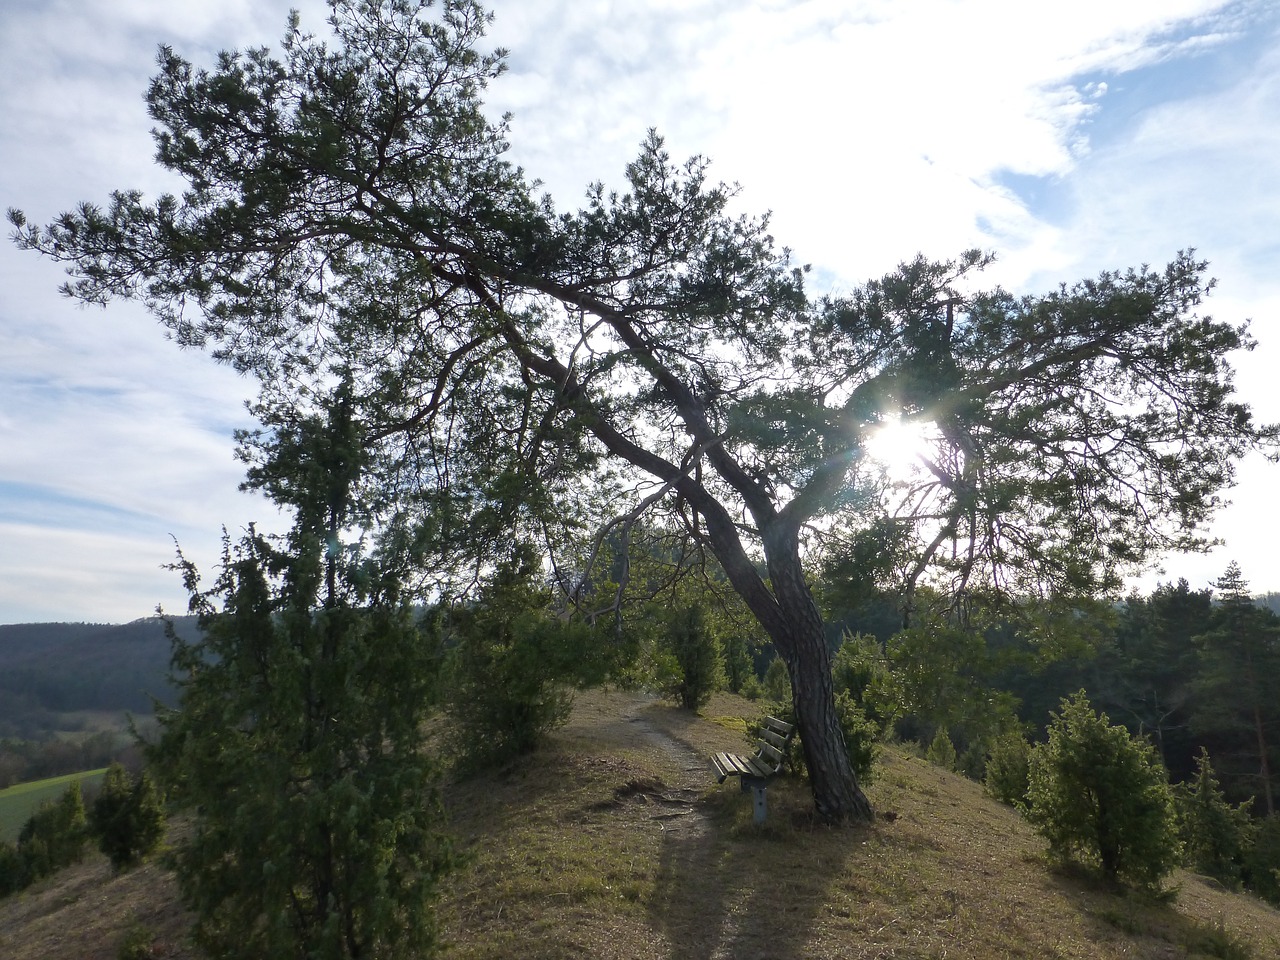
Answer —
(97, 409)
(78, 576)
(872, 130)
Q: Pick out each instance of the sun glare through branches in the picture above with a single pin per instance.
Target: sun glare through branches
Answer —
(898, 445)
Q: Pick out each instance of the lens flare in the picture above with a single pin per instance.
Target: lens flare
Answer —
(898, 445)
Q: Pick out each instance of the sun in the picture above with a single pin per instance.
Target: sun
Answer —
(899, 446)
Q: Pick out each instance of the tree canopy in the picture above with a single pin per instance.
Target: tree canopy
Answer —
(350, 215)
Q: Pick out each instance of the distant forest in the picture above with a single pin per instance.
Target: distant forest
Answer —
(1187, 669)
(47, 669)
(1168, 666)
(1271, 601)
(54, 676)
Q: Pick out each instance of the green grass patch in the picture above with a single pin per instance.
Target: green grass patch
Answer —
(19, 802)
(733, 723)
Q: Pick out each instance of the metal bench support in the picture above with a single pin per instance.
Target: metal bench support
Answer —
(759, 797)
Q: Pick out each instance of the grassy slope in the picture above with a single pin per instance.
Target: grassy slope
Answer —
(586, 859)
(616, 843)
(19, 802)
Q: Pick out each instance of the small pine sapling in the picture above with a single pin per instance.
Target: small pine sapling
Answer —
(942, 752)
(1008, 770)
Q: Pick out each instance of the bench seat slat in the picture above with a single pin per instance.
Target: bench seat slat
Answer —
(725, 767)
(733, 765)
(761, 771)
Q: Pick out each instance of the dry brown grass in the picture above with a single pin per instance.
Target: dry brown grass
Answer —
(86, 911)
(615, 842)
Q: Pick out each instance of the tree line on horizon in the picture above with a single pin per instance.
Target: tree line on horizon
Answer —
(1184, 667)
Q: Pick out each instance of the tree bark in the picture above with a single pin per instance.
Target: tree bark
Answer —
(1265, 762)
(802, 643)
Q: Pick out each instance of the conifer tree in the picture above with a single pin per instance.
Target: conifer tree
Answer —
(1215, 835)
(298, 736)
(1238, 690)
(127, 817)
(697, 654)
(348, 208)
(508, 678)
(941, 751)
(12, 874)
(1008, 770)
(56, 833)
(1098, 795)
(1147, 676)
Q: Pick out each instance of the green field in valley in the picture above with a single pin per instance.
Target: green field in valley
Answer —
(18, 802)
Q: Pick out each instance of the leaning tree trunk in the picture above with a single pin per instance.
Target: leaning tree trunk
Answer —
(784, 607)
(836, 793)
(802, 643)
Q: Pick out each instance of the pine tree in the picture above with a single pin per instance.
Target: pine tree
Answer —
(298, 736)
(1238, 690)
(347, 207)
(1008, 770)
(1215, 835)
(941, 752)
(54, 836)
(507, 682)
(1147, 677)
(1262, 860)
(12, 872)
(698, 657)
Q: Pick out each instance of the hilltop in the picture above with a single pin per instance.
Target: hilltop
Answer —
(615, 842)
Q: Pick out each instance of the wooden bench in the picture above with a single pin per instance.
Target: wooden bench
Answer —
(757, 770)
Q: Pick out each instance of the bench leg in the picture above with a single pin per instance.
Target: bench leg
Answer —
(759, 803)
(760, 806)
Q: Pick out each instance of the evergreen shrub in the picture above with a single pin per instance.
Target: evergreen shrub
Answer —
(777, 682)
(55, 835)
(698, 660)
(1097, 795)
(12, 873)
(127, 817)
(511, 668)
(1262, 860)
(1008, 770)
(941, 751)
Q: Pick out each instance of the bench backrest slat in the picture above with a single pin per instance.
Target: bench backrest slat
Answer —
(768, 736)
(775, 734)
(771, 753)
(780, 727)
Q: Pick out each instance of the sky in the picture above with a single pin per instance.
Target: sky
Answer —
(1067, 138)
